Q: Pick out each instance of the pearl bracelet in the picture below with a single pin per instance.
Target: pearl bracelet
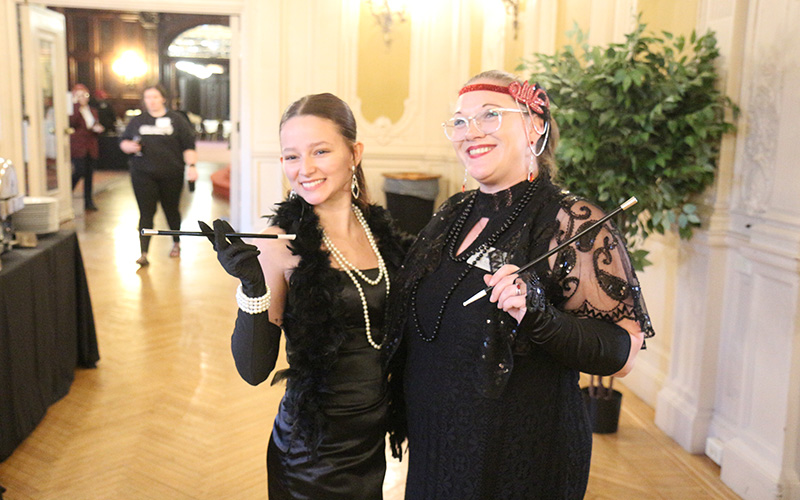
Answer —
(252, 305)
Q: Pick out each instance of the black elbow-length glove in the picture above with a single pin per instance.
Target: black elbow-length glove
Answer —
(255, 341)
(589, 345)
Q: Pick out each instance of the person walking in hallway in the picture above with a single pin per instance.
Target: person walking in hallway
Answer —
(161, 145)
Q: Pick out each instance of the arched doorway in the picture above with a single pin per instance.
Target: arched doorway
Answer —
(195, 65)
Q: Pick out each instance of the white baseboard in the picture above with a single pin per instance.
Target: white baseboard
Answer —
(681, 420)
(751, 476)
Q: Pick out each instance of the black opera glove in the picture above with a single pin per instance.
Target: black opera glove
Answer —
(255, 343)
(589, 345)
(238, 258)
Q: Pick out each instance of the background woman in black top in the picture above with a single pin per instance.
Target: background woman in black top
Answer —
(161, 144)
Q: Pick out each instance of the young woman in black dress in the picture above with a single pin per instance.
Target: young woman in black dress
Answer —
(492, 405)
(327, 291)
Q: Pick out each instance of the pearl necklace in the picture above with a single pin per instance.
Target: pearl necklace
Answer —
(352, 271)
(452, 238)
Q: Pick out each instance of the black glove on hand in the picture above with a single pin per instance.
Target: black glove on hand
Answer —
(238, 258)
(586, 344)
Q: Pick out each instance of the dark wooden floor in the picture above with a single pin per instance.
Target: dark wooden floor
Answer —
(165, 416)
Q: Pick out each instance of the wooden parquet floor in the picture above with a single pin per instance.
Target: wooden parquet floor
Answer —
(166, 416)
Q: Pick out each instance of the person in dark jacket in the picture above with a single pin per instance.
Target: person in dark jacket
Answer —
(84, 149)
(105, 111)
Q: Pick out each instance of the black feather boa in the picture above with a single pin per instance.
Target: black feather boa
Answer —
(313, 320)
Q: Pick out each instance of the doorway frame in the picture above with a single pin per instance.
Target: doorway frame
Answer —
(234, 9)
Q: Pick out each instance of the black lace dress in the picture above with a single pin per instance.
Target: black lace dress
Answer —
(350, 460)
(489, 415)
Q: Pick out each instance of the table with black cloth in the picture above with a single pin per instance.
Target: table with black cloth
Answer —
(46, 331)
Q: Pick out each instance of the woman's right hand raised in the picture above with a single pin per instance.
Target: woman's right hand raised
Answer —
(238, 258)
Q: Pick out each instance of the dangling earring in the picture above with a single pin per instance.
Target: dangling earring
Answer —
(464, 184)
(292, 194)
(354, 189)
(546, 132)
(531, 167)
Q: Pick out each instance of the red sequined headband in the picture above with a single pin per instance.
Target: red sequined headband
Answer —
(534, 96)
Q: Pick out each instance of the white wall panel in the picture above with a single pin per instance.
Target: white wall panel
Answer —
(756, 408)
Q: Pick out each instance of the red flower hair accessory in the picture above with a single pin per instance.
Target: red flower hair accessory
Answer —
(534, 96)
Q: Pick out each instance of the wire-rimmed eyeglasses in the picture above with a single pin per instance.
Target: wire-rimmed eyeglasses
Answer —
(487, 121)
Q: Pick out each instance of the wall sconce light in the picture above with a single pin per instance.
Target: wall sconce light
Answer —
(512, 8)
(386, 13)
(130, 67)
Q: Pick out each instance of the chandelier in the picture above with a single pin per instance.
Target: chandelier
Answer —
(387, 13)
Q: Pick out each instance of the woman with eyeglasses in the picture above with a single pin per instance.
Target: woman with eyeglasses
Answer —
(492, 407)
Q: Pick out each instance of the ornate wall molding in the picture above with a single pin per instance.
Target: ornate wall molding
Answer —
(763, 120)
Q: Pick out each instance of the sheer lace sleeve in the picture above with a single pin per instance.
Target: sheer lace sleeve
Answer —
(595, 273)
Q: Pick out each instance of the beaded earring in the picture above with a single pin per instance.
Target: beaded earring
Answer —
(464, 183)
(354, 189)
(531, 166)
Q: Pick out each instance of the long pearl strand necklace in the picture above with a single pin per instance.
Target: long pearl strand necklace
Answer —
(352, 271)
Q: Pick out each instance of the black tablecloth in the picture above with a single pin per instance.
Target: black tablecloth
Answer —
(46, 331)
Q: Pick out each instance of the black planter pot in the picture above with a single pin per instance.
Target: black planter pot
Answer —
(603, 411)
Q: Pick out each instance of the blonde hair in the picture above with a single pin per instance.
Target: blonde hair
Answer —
(547, 160)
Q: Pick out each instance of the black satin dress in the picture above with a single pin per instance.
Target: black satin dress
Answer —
(351, 460)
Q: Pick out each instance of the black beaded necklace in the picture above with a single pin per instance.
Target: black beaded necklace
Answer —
(452, 238)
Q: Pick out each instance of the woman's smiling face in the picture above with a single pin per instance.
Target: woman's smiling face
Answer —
(317, 159)
(500, 159)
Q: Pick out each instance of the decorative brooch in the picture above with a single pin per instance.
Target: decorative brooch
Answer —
(534, 96)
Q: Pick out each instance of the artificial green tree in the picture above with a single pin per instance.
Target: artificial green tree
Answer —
(641, 118)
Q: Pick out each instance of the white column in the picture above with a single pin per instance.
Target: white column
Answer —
(734, 380)
(686, 402)
(611, 24)
(494, 35)
(538, 23)
(11, 90)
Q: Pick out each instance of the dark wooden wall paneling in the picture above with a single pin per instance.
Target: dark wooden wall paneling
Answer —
(95, 38)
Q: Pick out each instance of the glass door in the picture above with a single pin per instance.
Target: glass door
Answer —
(46, 106)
